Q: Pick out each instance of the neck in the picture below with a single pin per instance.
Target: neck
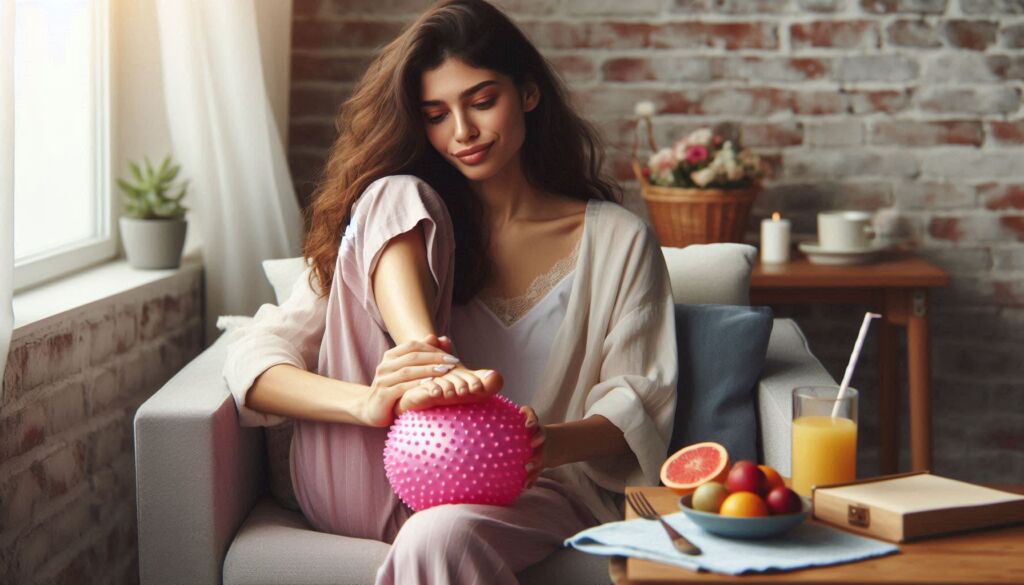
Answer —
(507, 196)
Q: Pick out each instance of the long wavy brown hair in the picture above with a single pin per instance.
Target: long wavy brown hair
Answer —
(381, 132)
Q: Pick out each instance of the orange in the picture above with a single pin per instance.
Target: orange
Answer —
(772, 478)
(690, 467)
(744, 504)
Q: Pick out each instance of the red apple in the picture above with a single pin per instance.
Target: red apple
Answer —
(783, 500)
(745, 476)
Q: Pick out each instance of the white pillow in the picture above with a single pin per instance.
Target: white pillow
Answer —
(283, 274)
(718, 274)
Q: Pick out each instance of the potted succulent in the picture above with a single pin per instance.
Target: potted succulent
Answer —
(153, 226)
(701, 189)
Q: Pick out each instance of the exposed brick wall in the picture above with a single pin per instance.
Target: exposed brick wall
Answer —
(67, 467)
(868, 104)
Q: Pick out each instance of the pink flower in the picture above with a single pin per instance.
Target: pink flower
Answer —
(696, 154)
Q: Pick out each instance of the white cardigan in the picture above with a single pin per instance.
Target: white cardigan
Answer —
(615, 354)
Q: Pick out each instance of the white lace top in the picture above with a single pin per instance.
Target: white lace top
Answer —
(514, 336)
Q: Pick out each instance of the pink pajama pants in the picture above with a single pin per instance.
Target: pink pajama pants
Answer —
(338, 469)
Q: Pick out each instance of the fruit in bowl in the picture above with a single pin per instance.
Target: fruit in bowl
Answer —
(752, 503)
(751, 527)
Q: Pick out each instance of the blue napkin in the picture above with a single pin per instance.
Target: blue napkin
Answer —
(807, 545)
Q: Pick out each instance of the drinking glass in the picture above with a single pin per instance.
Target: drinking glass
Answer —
(824, 447)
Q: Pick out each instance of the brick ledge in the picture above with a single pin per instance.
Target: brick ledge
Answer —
(38, 307)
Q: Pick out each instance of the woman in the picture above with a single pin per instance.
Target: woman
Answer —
(475, 210)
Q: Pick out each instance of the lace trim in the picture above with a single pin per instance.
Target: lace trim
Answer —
(512, 309)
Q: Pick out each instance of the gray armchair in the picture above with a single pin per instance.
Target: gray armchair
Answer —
(205, 516)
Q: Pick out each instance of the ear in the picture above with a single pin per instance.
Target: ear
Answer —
(530, 95)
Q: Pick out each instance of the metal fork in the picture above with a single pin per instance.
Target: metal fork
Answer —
(645, 510)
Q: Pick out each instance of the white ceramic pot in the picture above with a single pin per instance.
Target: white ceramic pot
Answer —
(153, 243)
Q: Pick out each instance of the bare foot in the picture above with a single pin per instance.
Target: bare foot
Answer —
(459, 386)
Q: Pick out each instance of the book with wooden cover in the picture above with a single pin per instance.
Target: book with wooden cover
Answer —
(908, 506)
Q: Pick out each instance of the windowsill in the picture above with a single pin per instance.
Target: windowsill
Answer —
(37, 307)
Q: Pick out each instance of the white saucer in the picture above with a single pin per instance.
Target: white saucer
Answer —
(818, 255)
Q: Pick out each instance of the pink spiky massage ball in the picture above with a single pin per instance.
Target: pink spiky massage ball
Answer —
(468, 453)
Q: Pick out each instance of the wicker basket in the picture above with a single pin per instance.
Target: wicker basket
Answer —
(694, 216)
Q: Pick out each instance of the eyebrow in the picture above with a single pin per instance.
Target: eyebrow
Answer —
(464, 93)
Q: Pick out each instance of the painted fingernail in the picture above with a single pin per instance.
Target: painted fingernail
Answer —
(442, 368)
(531, 422)
(451, 359)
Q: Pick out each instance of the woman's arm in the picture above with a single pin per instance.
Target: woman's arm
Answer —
(582, 440)
(403, 287)
(562, 443)
(293, 392)
(404, 291)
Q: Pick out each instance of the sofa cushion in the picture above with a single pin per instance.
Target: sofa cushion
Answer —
(721, 353)
(710, 273)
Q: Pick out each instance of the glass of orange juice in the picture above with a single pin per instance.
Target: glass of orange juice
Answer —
(824, 446)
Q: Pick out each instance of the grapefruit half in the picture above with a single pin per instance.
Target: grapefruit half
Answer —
(694, 465)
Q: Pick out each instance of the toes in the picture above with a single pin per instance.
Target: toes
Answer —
(491, 380)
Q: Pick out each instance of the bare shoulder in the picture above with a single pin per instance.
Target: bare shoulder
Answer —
(565, 207)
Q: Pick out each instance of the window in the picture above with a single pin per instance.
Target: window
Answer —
(63, 218)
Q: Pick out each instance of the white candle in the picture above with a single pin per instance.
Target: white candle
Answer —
(774, 240)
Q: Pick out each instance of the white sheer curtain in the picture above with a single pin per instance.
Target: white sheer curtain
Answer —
(225, 136)
(6, 178)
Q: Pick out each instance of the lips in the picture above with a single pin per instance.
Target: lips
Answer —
(474, 154)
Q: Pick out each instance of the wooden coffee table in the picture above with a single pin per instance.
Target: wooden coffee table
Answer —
(980, 557)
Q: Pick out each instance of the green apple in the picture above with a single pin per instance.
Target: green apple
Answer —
(709, 496)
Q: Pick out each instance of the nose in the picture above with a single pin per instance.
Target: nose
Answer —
(465, 130)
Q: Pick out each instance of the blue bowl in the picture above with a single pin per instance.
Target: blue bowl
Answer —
(746, 528)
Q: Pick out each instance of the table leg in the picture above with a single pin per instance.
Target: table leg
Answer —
(918, 381)
(888, 399)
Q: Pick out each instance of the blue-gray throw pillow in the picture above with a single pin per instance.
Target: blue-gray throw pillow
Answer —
(721, 353)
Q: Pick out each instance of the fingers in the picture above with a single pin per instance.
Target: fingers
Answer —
(535, 464)
(411, 346)
(394, 362)
(529, 415)
(412, 373)
(446, 344)
(443, 343)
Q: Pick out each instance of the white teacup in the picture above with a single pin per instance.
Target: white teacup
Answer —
(845, 231)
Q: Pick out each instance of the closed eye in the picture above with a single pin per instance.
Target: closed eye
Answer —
(484, 105)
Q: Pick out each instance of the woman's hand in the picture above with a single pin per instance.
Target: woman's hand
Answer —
(403, 368)
(539, 460)
(459, 386)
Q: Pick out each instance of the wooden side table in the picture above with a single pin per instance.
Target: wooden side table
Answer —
(989, 556)
(896, 285)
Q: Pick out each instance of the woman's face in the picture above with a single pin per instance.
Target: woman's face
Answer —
(475, 117)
